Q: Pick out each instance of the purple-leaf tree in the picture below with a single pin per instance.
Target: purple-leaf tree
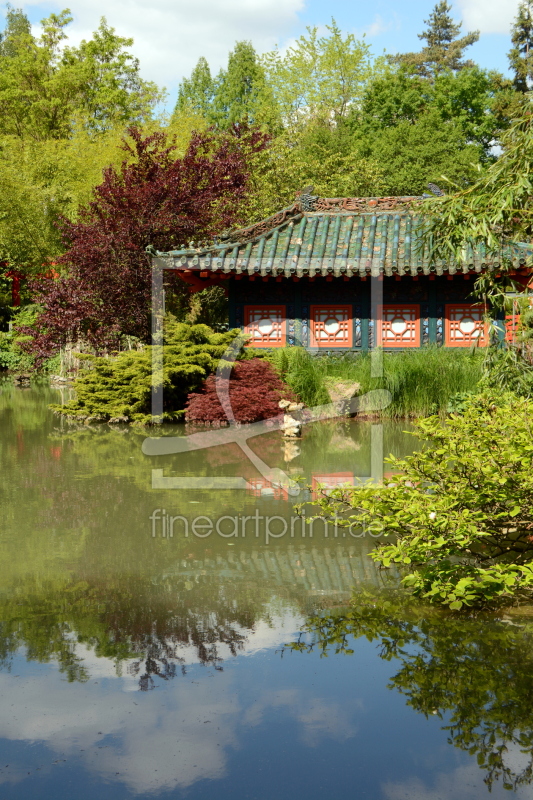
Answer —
(104, 289)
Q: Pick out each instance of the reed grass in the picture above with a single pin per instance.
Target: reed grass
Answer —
(421, 382)
(302, 372)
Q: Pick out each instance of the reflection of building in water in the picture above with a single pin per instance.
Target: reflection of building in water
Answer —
(316, 570)
(261, 487)
(320, 483)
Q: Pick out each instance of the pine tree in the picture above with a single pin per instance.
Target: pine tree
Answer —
(521, 55)
(241, 91)
(196, 93)
(443, 51)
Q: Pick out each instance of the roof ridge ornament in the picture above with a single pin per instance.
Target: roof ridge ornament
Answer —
(240, 235)
(306, 198)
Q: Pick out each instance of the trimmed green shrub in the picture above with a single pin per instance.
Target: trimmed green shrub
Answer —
(119, 388)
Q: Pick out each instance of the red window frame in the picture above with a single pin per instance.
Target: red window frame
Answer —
(453, 321)
(253, 315)
(395, 314)
(342, 314)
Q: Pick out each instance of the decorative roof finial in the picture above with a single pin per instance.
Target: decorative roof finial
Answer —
(306, 198)
(436, 190)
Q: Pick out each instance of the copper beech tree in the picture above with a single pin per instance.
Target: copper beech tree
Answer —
(104, 290)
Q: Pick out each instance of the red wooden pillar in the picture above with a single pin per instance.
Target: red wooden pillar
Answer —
(16, 278)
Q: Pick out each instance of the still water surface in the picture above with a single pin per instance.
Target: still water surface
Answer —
(137, 665)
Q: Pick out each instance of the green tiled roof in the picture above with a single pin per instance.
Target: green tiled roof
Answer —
(339, 236)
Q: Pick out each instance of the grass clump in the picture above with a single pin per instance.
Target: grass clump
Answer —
(421, 382)
(302, 373)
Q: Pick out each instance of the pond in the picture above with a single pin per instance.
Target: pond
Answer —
(147, 616)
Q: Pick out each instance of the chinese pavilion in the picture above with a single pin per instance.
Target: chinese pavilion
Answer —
(344, 274)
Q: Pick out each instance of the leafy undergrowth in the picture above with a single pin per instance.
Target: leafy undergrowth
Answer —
(254, 391)
(13, 355)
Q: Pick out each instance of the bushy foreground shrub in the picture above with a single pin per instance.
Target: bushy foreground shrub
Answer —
(254, 391)
(461, 510)
(119, 388)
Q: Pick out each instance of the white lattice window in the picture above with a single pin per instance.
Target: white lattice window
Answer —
(399, 326)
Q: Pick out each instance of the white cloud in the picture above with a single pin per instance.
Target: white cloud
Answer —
(171, 35)
(318, 718)
(189, 732)
(488, 16)
(464, 782)
(140, 740)
(380, 25)
(161, 740)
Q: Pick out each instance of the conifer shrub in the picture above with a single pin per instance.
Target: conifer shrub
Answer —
(254, 392)
(119, 388)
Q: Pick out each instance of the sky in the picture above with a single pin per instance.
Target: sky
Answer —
(171, 35)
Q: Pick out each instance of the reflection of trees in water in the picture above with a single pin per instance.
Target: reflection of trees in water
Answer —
(476, 674)
(175, 614)
(136, 621)
(203, 606)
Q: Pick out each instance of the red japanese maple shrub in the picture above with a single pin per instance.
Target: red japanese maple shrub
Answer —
(254, 392)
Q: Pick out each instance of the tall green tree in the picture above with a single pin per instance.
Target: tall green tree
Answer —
(42, 182)
(241, 91)
(317, 155)
(17, 25)
(521, 54)
(415, 128)
(47, 88)
(111, 88)
(196, 93)
(319, 77)
(444, 47)
(411, 155)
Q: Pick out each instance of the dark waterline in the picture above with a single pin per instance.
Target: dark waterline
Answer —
(137, 665)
